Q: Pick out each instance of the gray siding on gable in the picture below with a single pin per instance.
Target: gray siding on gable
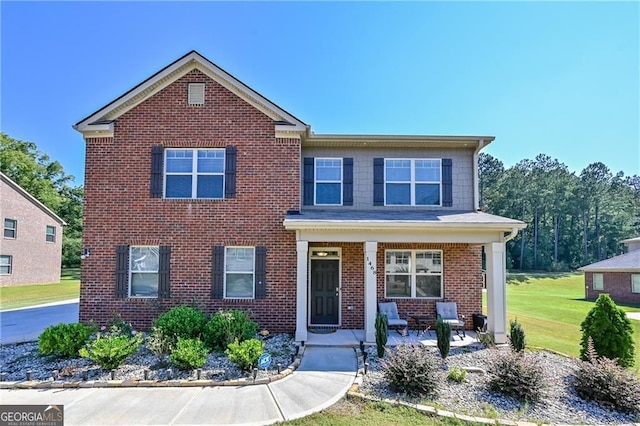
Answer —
(363, 173)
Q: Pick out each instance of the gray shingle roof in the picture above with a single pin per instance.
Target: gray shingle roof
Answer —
(628, 262)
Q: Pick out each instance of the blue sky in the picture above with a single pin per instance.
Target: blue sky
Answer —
(560, 78)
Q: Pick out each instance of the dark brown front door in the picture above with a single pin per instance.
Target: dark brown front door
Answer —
(325, 291)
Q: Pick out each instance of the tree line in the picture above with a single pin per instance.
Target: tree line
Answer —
(572, 219)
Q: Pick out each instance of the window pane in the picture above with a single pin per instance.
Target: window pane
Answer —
(398, 286)
(635, 283)
(427, 194)
(398, 194)
(328, 193)
(144, 284)
(210, 161)
(427, 171)
(239, 285)
(329, 170)
(210, 186)
(144, 259)
(178, 187)
(428, 262)
(398, 261)
(428, 286)
(598, 282)
(179, 161)
(239, 259)
(398, 170)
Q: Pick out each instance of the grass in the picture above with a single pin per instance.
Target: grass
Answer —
(30, 295)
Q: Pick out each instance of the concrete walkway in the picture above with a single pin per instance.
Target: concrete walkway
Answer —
(324, 376)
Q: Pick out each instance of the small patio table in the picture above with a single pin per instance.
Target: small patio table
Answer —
(423, 322)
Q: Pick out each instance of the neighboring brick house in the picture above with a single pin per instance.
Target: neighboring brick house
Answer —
(199, 190)
(618, 276)
(31, 244)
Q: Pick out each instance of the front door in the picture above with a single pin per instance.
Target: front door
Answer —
(325, 291)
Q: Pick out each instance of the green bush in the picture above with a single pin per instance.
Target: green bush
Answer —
(64, 340)
(443, 334)
(111, 350)
(457, 374)
(245, 354)
(226, 326)
(181, 322)
(602, 380)
(516, 376)
(189, 354)
(382, 327)
(158, 342)
(517, 338)
(411, 369)
(117, 325)
(611, 331)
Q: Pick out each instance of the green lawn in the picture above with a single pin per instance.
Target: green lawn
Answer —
(551, 307)
(29, 295)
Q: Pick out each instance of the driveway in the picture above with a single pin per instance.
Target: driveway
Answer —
(26, 324)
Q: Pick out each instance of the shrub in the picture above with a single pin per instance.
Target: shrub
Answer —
(457, 374)
(158, 342)
(382, 327)
(181, 322)
(602, 380)
(117, 325)
(226, 326)
(189, 354)
(517, 376)
(517, 338)
(64, 340)
(411, 369)
(111, 350)
(245, 354)
(610, 330)
(443, 333)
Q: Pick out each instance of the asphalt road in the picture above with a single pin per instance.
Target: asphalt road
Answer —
(26, 324)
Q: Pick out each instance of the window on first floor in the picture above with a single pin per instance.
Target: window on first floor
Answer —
(51, 234)
(635, 283)
(413, 273)
(239, 267)
(6, 263)
(144, 264)
(10, 228)
(598, 282)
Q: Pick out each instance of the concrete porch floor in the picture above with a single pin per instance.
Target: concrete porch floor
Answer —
(353, 338)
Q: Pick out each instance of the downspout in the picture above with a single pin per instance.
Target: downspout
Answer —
(476, 180)
(511, 236)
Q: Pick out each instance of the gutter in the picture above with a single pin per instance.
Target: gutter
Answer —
(511, 236)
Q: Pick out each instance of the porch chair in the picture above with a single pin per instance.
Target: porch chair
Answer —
(448, 312)
(390, 309)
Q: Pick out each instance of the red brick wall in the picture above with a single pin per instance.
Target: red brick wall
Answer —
(616, 284)
(119, 210)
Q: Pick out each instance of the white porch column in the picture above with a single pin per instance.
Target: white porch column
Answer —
(496, 291)
(301, 290)
(370, 294)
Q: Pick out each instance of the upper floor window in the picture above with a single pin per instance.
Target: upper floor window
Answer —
(194, 173)
(10, 228)
(598, 282)
(328, 181)
(635, 283)
(6, 263)
(239, 267)
(413, 273)
(143, 271)
(412, 182)
(51, 234)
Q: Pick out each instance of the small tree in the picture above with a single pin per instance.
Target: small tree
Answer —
(517, 338)
(610, 330)
(381, 333)
(443, 333)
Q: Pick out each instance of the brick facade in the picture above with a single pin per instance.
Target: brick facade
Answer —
(616, 284)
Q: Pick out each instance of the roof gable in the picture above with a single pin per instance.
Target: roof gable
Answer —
(20, 190)
(100, 123)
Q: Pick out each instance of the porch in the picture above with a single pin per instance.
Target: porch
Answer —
(352, 338)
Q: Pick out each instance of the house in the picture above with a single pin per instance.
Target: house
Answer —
(31, 244)
(200, 190)
(618, 276)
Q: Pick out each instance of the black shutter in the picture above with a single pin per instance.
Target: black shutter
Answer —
(447, 182)
(378, 181)
(217, 272)
(156, 171)
(164, 275)
(307, 188)
(230, 155)
(347, 181)
(261, 272)
(122, 271)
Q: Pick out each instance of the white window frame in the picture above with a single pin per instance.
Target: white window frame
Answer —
(316, 180)
(13, 229)
(413, 273)
(8, 264)
(412, 182)
(635, 283)
(194, 172)
(50, 237)
(598, 284)
(252, 272)
(131, 272)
